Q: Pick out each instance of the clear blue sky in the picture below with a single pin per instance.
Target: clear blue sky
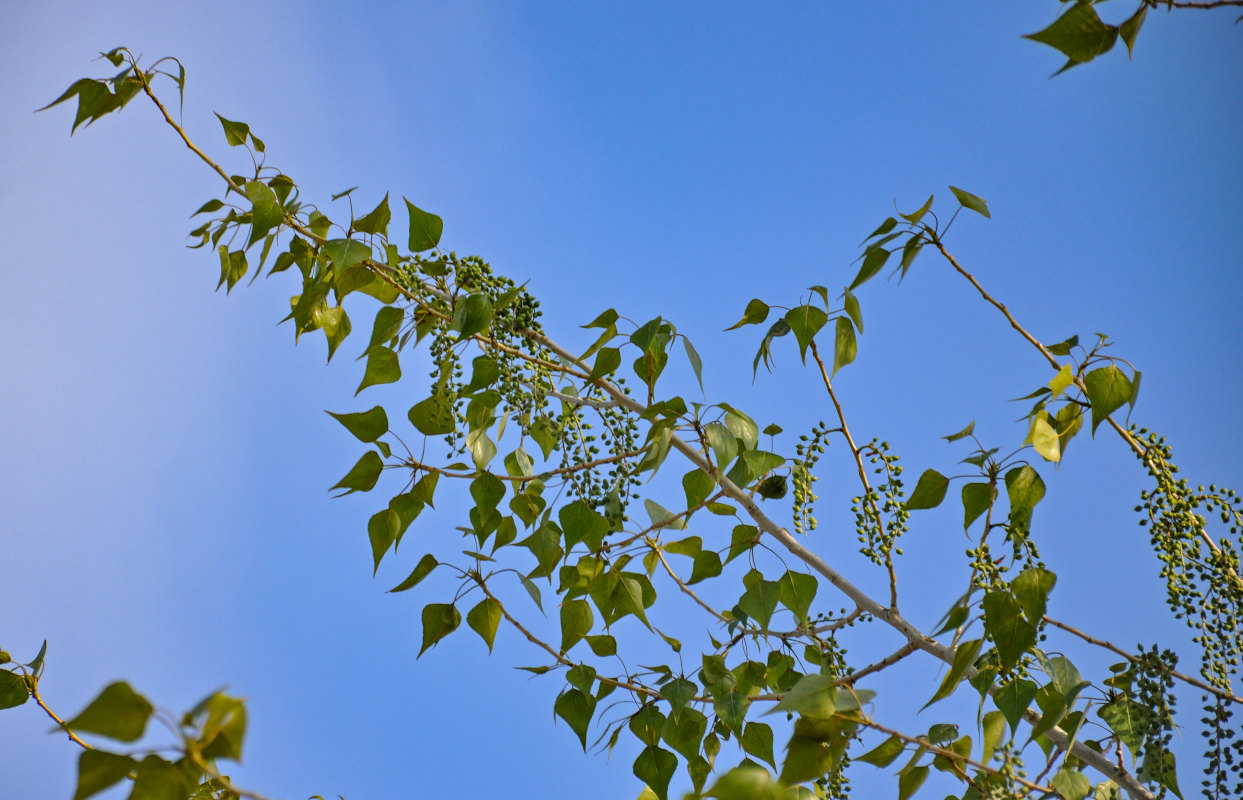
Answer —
(164, 450)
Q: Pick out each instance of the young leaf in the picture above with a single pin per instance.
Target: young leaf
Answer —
(929, 491)
(755, 313)
(382, 531)
(118, 713)
(1025, 489)
(426, 564)
(852, 309)
(363, 475)
(655, 767)
(234, 132)
(484, 619)
(367, 426)
(576, 709)
(375, 221)
(425, 228)
(1079, 34)
(1108, 390)
(382, 367)
(971, 201)
(97, 770)
(439, 620)
(844, 346)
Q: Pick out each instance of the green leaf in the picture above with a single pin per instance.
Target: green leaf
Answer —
(929, 491)
(605, 320)
(367, 426)
(844, 345)
(439, 620)
(993, 726)
(805, 321)
(375, 221)
(707, 564)
(1130, 29)
(1044, 439)
(382, 531)
(774, 487)
(363, 475)
(724, 444)
(484, 619)
(157, 779)
(581, 523)
(13, 689)
(662, 517)
(873, 261)
(1013, 700)
(731, 707)
(967, 431)
(964, 659)
(382, 367)
(971, 201)
(335, 324)
(757, 740)
(1025, 489)
(696, 362)
(1079, 34)
(602, 646)
(97, 770)
(1128, 720)
(760, 600)
(433, 416)
(118, 713)
(807, 758)
(655, 767)
(976, 498)
(756, 312)
(234, 132)
(883, 754)
(698, 486)
(796, 590)
(1159, 767)
(607, 361)
(918, 214)
(472, 315)
(910, 780)
(1070, 784)
(1004, 624)
(576, 709)
(742, 426)
(679, 692)
(814, 696)
(577, 620)
(388, 322)
(1031, 589)
(425, 228)
(853, 311)
(426, 564)
(1108, 390)
(647, 723)
(684, 729)
(266, 212)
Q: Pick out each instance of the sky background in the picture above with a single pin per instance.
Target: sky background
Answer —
(165, 455)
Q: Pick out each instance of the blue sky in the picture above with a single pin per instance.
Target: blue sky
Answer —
(166, 455)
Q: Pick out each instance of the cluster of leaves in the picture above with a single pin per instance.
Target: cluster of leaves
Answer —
(213, 730)
(557, 457)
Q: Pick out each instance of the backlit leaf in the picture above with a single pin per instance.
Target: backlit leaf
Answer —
(484, 619)
(425, 228)
(1108, 390)
(439, 620)
(367, 426)
(929, 491)
(118, 713)
(844, 345)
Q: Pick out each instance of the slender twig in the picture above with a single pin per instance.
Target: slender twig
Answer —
(950, 754)
(888, 661)
(418, 465)
(1199, 684)
(1131, 441)
(863, 478)
(34, 693)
